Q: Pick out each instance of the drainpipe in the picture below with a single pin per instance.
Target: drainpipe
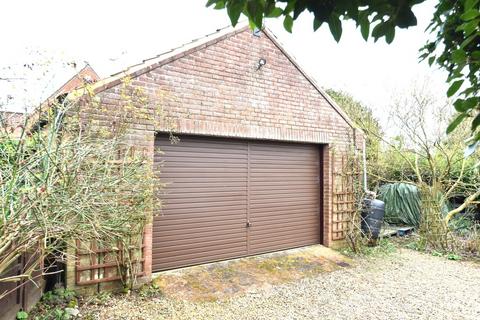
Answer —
(368, 193)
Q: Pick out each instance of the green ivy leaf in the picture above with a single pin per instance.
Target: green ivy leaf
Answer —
(219, 4)
(454, 124)
(335, 26)
(468, 40)
(469, 4)
(405, 17)
(459, 56)
(255, 11)
(389, 35)
(431, 60)
(476, 122)
(316, 24)
(364, 24)
(465, 105)
(210, 2)
(380, 30)
(468, 27)
(234, 9)
(288, 23)
(275, 13)
(454, 88)
(470, 14)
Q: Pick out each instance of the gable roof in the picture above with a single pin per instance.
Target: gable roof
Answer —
(85, 75)
(201, 43)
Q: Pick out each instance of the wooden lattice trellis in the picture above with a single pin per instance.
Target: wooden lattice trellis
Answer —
(346, 175)
(95, 264)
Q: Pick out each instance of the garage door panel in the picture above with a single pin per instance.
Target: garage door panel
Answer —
(281, 148)
(205, 195)
(190, 231)
(281, 227)
(269, 238)
(205, 142)
(199, 222)
(207, 200)
(284, 217)
(173, 205)
(215, 186)
(278, 206)
(288, 243)
(280, 199)
(263, 185)
(218, 174)
(194, 165)
(194, 239)
(201, 180)
(284, 220)
(275, 194)
(194, 261)
(217, 214)
(193, 224)
(188, 186)
(267, 212)
(204, 203)
(266, 239)
(205, 170)
(194, 189)
(239, 248)
(187, 249)
(165, 212)
(209, 155)
(191, 161)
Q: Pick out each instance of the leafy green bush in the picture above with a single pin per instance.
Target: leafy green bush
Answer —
(59, 304)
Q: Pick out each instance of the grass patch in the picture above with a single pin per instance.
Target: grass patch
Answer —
(384, 247)
(415, 243)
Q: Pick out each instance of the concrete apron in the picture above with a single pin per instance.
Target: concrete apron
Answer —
(225, 279)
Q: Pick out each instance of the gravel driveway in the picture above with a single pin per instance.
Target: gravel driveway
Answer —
(403, 285)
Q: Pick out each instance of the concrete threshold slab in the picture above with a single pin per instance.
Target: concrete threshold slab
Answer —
(225, 279)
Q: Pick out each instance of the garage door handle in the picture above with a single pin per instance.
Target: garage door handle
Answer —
(249, 224)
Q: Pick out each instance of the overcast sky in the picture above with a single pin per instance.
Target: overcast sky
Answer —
(112, 35)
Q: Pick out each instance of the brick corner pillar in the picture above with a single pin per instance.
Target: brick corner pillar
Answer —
(147, 251)
(327, 195)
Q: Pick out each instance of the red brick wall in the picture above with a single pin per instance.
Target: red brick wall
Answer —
(217, 90)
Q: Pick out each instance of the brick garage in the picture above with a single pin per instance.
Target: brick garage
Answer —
(241, 106)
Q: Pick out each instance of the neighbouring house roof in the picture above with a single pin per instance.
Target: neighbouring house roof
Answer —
(12, 121)
(85, 76)
(198, 44)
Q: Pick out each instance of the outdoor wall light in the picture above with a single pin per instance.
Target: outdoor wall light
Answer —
(261, 62)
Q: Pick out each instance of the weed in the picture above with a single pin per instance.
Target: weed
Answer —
(150, 291)
(59, 304)
(384, 247)
(417, 245)
(436, 253)
(22, 315)
(453, 256)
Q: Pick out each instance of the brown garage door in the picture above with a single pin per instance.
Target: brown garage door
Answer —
(229, 198)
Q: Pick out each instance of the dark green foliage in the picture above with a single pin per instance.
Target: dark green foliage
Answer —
(386, 15)
(455, 48)
(58, 304)
(363, 117)
(402, 203)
